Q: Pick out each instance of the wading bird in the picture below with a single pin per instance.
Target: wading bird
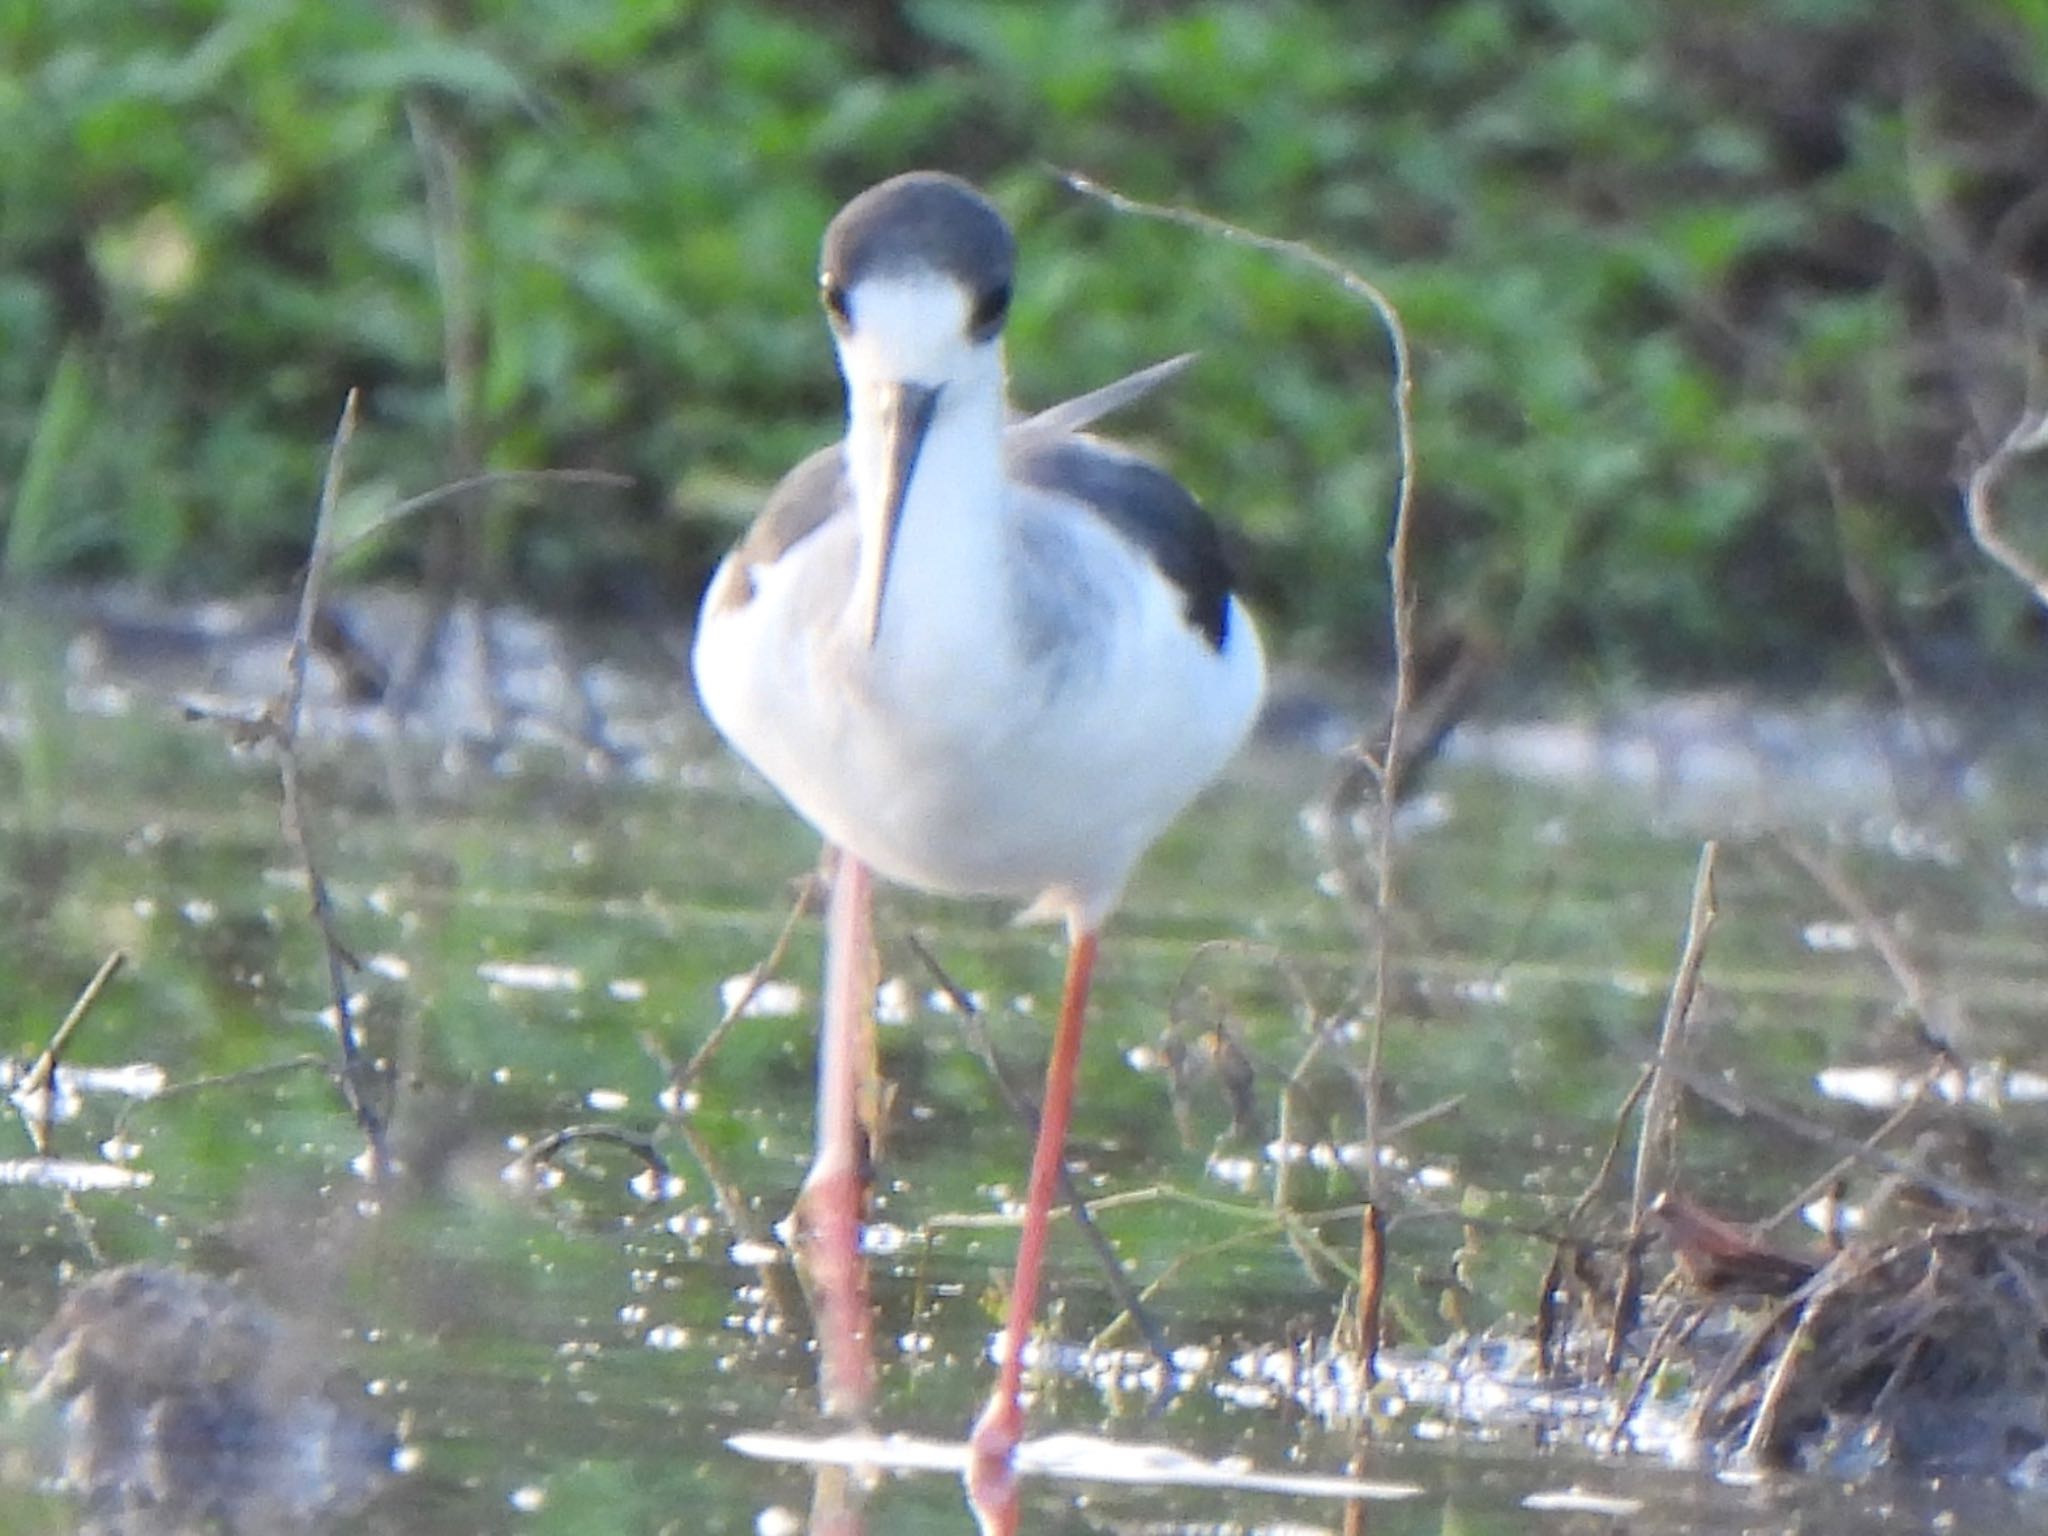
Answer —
(983, 657)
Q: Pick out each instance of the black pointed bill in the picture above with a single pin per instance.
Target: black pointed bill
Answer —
(907, 411)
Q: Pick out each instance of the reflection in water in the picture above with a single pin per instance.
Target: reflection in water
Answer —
(1079, 1458)
(165, 1401)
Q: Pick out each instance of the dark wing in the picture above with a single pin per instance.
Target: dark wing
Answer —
(797, 508)
(1147, 506)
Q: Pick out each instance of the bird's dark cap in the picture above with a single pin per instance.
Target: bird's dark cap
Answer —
(920, 221)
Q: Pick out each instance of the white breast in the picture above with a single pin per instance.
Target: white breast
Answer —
(1026, 735)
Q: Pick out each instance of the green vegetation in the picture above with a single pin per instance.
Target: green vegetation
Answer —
(1708, 301)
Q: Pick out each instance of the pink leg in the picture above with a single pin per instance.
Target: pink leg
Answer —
(991, 1475)
(837, 1497)
(833, 1202)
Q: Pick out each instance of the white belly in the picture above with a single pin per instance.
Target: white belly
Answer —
(991, 747)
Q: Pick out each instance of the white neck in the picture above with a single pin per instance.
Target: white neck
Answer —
(944, 565)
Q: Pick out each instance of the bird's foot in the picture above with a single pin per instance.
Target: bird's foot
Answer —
(992, 1465)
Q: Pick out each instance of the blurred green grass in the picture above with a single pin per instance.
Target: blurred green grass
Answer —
(1683, 283)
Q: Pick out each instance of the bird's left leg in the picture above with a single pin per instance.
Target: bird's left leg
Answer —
(991, 1452)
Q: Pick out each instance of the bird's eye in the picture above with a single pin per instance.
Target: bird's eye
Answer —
(990, 310)
(836, 303)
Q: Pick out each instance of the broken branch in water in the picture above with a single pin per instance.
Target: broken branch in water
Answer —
(38, 1085)
(1657, 1141)
(288, 713)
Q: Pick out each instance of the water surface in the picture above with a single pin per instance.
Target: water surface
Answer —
(550, 919)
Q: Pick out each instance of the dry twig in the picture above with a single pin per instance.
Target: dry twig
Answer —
(467, 485)
(38, 1084)
(1656, 1147)
(1372, 1289)
(806, 901)
(2029, 435)
(779, 1295)
(285, 717)
(1942, 1017)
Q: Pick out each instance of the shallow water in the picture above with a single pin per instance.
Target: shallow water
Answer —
(548, 920)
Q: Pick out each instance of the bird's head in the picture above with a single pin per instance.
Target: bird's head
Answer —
(915, 278)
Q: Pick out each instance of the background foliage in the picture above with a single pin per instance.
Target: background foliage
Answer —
(1709, 301)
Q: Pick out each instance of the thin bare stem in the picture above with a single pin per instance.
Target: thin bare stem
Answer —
(768, 965)
(1892, 1124)
(355, 1070)
(41, 1078)
(1611, 1159)
(1656, 1147)
(1387, 769)
(1716, 1090)
(2028, 436)
(456, 490)
(1757, 1447)
(1865, 599)
(1965, 281)
(1944, 1018)
(776, 1276)
(317, 561)
(1656, 1142)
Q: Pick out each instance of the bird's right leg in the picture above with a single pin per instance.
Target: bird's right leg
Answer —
(832, 1205)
